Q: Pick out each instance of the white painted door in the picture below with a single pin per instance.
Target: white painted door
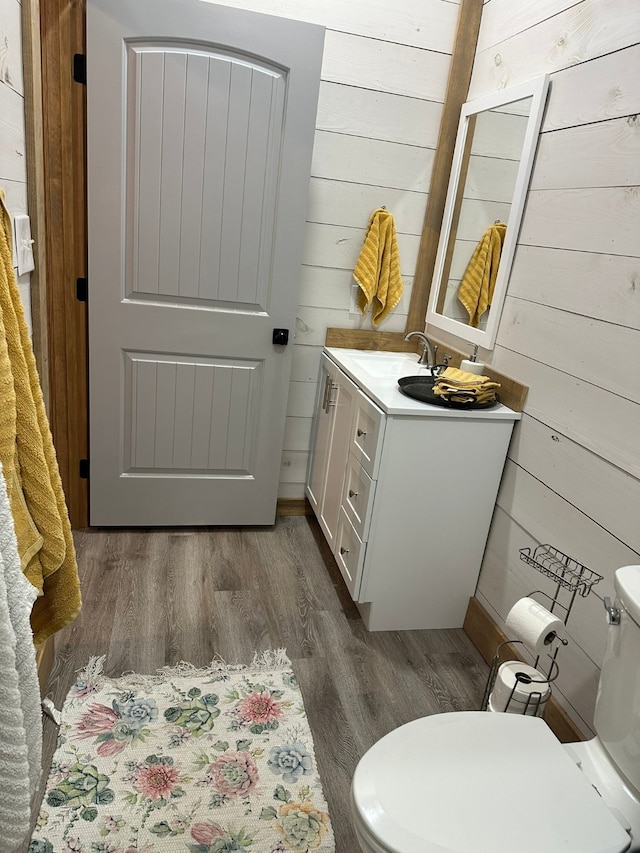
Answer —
(200, 124)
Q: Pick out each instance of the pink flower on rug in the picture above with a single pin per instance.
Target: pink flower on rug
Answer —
(156, 780)
(234, 774)
(84, 688)
(97, 721)
(205, 832)
(260, 708)
(111, 747)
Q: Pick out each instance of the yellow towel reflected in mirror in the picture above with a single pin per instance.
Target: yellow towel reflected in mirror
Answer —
(479, 281)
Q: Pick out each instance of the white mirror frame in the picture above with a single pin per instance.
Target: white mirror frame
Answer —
(537, 89)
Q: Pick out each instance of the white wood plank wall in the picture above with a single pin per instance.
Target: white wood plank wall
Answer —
(570, 328)
(383, 82)
(13, 169)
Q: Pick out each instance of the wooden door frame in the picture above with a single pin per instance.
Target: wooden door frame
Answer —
(62, 329)
(62, 34)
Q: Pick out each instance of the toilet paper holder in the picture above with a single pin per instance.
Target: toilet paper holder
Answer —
(572, 577)
(536, 699)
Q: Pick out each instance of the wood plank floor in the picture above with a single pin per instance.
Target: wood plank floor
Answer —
(157, 597)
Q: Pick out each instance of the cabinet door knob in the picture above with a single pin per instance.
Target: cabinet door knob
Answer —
(352, 494)
(361, 432)
(344, 550)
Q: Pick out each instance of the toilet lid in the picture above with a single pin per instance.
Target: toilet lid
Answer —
(475, 782)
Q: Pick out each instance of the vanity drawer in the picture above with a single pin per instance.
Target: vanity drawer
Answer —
(367, 435)
(357, 497)
(349, 554)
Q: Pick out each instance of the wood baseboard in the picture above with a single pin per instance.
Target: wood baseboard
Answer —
(45, 655)
(293, 506)
(485, 636)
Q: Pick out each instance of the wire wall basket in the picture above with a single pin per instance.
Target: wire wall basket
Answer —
(564, 570)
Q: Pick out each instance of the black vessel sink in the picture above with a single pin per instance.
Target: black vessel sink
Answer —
(421, 388)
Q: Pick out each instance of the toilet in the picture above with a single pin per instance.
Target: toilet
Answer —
(478, 782)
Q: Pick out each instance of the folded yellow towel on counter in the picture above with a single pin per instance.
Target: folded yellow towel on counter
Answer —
(455, 376)
(38, 507)
(479, 281)
(464, 397)
(377, 270)
(461, 386)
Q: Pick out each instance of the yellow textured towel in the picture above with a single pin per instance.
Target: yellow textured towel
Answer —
(377, 270)
(462, 386)
(29, 462)
(478, 283)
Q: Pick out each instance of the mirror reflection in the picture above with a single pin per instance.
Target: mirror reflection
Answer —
(489, 169)
(494, 152)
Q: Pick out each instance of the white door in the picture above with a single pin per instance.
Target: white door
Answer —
(200, 123)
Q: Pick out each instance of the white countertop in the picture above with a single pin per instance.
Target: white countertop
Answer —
(383, 389)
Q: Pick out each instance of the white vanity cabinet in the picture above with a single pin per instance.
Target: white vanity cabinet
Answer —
(404, 493)
(332, 426)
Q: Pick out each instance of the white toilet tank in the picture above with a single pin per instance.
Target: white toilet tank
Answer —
(617, 714)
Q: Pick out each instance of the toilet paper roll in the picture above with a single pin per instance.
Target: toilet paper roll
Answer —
(512, 694)
(533, 710)
(534, 625)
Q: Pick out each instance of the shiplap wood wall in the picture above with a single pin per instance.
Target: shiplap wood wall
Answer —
(383, 82)
(570, 328)
(13, 167)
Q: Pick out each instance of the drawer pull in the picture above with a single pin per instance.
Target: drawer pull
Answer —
(344, 550)
(361, 432)
(352, 494)
(327, 388)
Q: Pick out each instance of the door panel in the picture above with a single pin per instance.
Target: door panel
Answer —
(200, 132)
(190, 416)
(202, 182)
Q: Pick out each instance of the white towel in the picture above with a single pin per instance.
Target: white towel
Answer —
(20, 713)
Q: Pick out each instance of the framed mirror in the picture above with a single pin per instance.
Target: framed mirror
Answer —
(492, 161)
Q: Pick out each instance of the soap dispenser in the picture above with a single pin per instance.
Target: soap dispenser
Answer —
(471, 365)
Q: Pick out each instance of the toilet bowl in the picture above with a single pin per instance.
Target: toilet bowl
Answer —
(477, 782)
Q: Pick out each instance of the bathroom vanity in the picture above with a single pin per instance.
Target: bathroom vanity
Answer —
(403, 490)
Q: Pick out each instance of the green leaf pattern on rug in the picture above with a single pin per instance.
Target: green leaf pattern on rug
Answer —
(173, 761)
(81, 786)
(196, 715)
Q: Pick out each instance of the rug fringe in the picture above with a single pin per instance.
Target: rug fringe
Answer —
(93, 670)
(264, 661)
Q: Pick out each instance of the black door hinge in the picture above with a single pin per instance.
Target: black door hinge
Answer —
(84, 469)
(80, 68)
(81, 289)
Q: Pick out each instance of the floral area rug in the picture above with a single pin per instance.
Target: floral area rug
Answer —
(206, 761)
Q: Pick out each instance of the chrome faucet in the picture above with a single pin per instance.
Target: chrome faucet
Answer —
(428, 357)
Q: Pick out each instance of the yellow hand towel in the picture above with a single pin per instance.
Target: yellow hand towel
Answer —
(461, 386)
(29, 462)
(464, 378)
(479, 281)
(377, 270)
(460, 395)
